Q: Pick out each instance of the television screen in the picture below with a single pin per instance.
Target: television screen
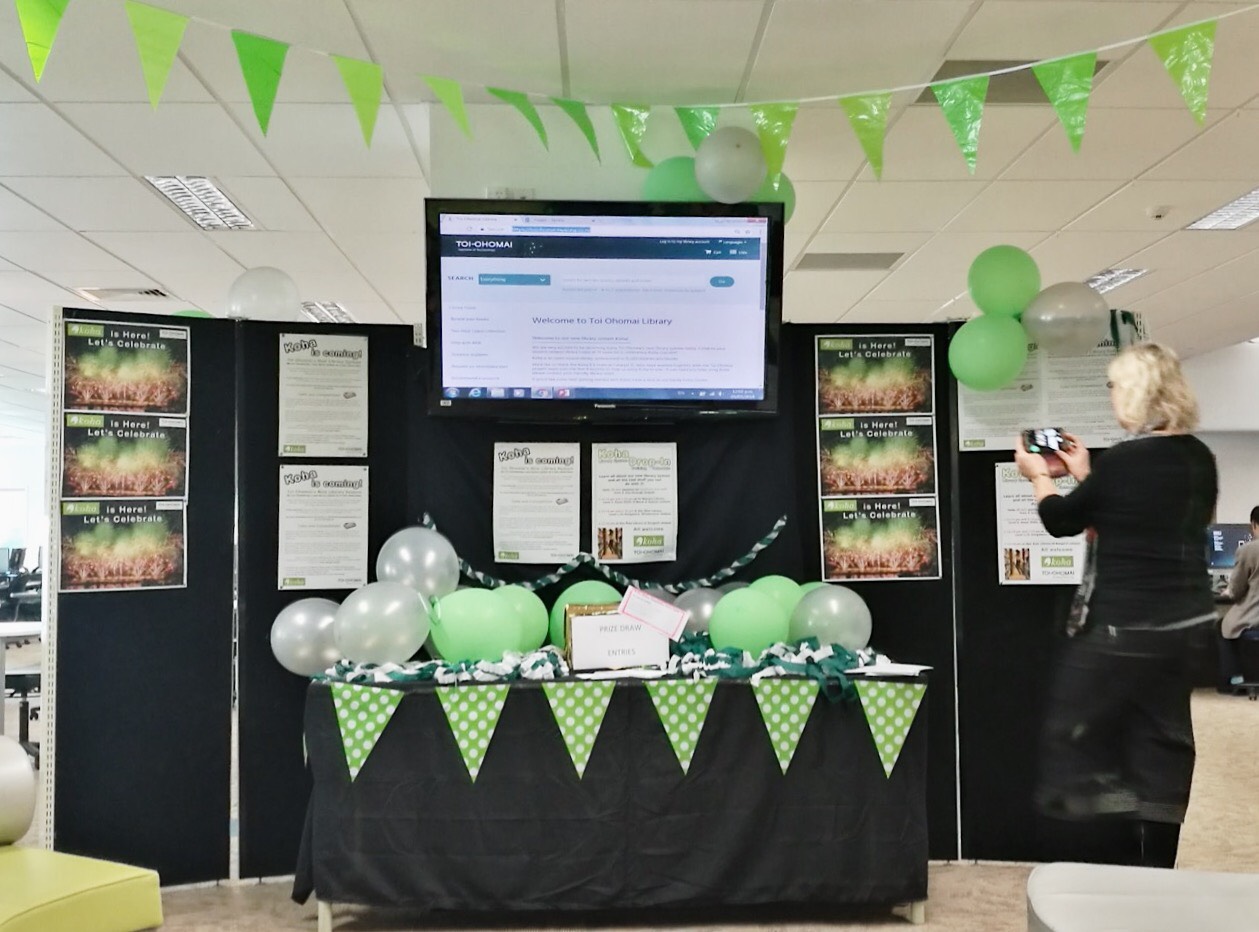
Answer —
(564, 310)
(1223, 542)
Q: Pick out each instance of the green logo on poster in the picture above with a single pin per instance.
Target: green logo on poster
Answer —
(840, 504)
(294, 580)
(838, 423)
(85, 330)
(835, 344)
(648, 540)
(1057, 563)
(974, 444)
(295, 448)
(80, 508)
(85, 420)
(508, 555)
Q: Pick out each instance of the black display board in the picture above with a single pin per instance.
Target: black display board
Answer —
(143, 704)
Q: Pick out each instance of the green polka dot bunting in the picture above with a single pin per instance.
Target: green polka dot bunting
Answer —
(362, 714)
(472, 713)
(785, 706)
(890, 709)
(683, 707)
(579, 709)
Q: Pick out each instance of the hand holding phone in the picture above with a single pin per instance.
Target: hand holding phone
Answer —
(1048, 442)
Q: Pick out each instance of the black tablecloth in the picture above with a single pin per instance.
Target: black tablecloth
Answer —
(414, 831)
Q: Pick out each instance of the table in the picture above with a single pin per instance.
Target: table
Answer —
(634, 833)
(15, 631)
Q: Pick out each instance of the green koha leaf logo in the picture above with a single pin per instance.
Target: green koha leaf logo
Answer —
(295, 448)
(80, 508)
(648, 540)
(1057, 562)
(85, 420)
(294, 580)
(974, 444)
(835, 344)
(838, 423)
(85, 330)
(843, 504)
(509, 555)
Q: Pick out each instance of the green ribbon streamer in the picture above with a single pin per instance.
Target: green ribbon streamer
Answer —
(773, 126)
(261, 64)
(963, 104)
(362, 714)
(631, 121)
(1186, 54)
(40, 20)
(522, 103)
(890, 709)
(697, 122)
(867, 115)
(364, 82)
(1068, 83)
(158, 34)
(450, 93)
(576, 111)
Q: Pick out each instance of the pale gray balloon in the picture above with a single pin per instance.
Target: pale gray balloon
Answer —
(730, 165)
(17, 790)
(833, 615)
(382, 622)
(1067, 319)
(664, 595)
(700, 604)
(420, 558)
(732, 586)
(264, 293)
(302, 636)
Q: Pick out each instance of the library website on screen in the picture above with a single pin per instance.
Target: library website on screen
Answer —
(660, 314)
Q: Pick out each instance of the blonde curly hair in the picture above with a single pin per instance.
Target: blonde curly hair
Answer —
(1150, 391)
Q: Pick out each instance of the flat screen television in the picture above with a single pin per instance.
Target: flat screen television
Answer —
(1223, 542)
(602, 310)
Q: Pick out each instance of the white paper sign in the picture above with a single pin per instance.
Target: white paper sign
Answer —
(537, 502)
(634, 507)
(663, 616)
(323, 395)
(1026, 554)
(323, 527)
(613, 642)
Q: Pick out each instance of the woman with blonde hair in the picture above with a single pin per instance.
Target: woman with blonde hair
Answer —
(1118, 740)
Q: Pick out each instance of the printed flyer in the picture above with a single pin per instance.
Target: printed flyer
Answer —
(888, 454)
(634, 503)
(537, 502)
(134, 368)
(124, 456)
(323, 527)
(323, 395)
(122, 544)
(880, 538)
(890, 374)
(1026, 554)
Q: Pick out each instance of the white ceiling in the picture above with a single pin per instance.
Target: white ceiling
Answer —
(346, 221)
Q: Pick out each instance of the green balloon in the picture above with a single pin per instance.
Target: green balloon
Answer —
(786, 592)
(988, 352)
(673, 180)
(470, 624)
(531, 613)
(589, 592)
(807, 587)
(1003, 280)
(748, 619)
(785, 192)
(191, 313)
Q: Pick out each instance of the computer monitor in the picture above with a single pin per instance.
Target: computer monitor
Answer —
(1223, 542)
(17, 559)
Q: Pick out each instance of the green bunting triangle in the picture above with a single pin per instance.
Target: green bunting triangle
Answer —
(697, 122)
(527, 110)
(576, 111)
(472, 713)
(773, 126)
(362, 714)
(631, 121)
(963, 104)
(1186, 54)
(158, 34)
(364, 82)
(867, 115)
(579, 709)
(890, 709)
(40, 20)
(785, 706)
(683, 707)
(261, 64)
(1068, 83)
(450, 94)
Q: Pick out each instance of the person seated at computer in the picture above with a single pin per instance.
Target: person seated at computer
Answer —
(1243, 588)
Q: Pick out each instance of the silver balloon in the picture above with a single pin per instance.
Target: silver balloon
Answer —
(664, 595)
(17, 791)
(730, 165)
(382, 622)
(264, 293)
(1067, 319)
(302, 636)
(732, 586)
(420, 558)
(833, 615)
(700, 604)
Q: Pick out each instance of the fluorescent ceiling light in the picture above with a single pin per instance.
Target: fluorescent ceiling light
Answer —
(326, 312)
(203, 202)
(1110, 279)
(1232, 216)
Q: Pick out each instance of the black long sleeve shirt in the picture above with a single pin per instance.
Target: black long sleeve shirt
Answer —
(1149, 501)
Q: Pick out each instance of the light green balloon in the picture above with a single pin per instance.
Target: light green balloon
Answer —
(1003, 280)
(748, 619)
(785, 192)
(470, 624)
(193, 312)
(589, 592)
(807, 587)
(531, 613)
(673, 180)
(786, 592)
(988, 352)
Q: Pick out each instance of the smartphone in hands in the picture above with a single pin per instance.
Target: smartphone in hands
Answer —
(1047, 441)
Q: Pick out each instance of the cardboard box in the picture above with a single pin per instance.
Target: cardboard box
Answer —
(598, 637)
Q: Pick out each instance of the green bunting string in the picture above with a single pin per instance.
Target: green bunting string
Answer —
(364, 82)
(450, 93)
(527, 110)
(631, 122)
(158, 34)
(773, 126)
(40, 20)
(579, 708)
(785, 705)
(697, 122)
(867, 115)
(472, 713)
(576, 111)
(963, 104)
(1186, 54)
(683, 708)
(362, 714)
(261, 65)
(1068, 84)
(890, 709)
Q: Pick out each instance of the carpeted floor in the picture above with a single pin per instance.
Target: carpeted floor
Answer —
(1221, 833)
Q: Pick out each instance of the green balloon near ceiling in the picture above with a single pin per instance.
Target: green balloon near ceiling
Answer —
(673, 180)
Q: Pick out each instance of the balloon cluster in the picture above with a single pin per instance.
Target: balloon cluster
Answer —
(729, 166)
(989, 351)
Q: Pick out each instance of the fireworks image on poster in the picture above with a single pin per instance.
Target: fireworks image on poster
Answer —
(122, 544)
(124, 456)
(880, 538)
(863, 375)
(889, 455)
(126, 367)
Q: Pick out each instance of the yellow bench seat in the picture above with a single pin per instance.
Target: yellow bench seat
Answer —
(47, 891)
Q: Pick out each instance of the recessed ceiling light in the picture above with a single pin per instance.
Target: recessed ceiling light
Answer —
(326, 312)
(202, 200)
(1232, 216)
(1110, 279)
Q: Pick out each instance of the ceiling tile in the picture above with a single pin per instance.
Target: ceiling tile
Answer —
(822, 147)
(1073, 257)
(1225, 150)
(822, 297)
(890, 312)
(1030, 205)
(1179, 202)
(938, 269)
(156, 252)
(269, 203)
(920, 146)
(1033, 30)
(903, 206)
(365, 205)
(37, 141)
(394, 262)
(18, 215)
(39, 252)
(85, 204)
